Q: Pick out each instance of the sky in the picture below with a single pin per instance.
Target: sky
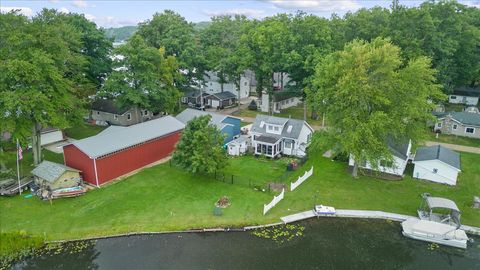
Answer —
(109, 13)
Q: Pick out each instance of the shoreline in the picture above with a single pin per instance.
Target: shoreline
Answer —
(341, 213)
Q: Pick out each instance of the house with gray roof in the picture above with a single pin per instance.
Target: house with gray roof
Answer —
(228, 125)
(400, 150)
(437, 164)
(55, 176)
(108, 112)
(458, 123)
(275, 136)
(221, 100)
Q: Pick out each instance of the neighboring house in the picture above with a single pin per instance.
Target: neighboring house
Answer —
(465, 95)
(275, 136)
(194, 98)
(51, 135)
(213, 85)
(228, 125)
(238, 146)
(280, 102)
(55, 176)
(117, 150)
(221, 100)
(106, 111)
(438, 164)
(458, 123)
(400, 153)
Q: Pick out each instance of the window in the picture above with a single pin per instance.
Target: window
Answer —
(439, 125)
(245, 83)
(98, 112)
(384, 163)
(270, 128)
(453, 97)
(435, 170)
(129, 116)
(115, 116)
(455, 126)
(469, 130)
(288, 144)
(276, 129)
(145, 113)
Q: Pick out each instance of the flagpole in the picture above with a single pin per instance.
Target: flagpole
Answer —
(18, 169)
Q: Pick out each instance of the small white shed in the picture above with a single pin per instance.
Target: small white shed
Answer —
(51, 135)
(238, 146)
(437, 164)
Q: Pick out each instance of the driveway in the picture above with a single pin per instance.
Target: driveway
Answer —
(456, 147)
(58, 146)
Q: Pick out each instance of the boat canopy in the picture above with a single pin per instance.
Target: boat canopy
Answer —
(437, 202)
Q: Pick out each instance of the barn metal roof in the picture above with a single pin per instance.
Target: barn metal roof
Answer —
(117, 139)
(51, 171)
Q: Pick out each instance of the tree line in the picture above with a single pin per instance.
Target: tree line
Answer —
(54, 62)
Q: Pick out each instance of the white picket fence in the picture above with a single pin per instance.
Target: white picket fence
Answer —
(301, 179)
(276, 199)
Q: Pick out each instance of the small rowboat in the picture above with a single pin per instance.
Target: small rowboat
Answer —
(68, 192)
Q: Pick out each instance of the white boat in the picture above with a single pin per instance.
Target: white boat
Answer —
(435, 232)
(324, 210)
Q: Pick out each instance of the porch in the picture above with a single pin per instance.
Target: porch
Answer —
(268, 146)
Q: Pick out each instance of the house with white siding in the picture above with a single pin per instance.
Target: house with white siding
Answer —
(277, 136)
(400, 153)
(437, 164)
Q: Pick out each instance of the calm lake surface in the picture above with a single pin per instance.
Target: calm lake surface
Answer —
(327, 243)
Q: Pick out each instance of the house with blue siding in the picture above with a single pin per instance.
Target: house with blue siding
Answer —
(228, 125)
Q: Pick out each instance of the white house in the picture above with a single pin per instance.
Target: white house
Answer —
(401, 154)
(275, 136)
(279, 102)
(465, 95)
(213, 86)
(438, 164)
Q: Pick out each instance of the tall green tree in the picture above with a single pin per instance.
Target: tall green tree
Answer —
(370, 95)
(200, 149)
(220, 41)
(172, 32)
(41, 77)
(144, 77)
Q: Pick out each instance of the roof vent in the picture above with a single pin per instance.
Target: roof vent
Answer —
(289, 129)
(262, 124)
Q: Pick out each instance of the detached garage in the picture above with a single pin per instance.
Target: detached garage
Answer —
(438, 164)
(117, 151)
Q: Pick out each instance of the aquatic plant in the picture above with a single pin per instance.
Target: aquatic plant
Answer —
(17, 245)
(433, 246)
(280, 234)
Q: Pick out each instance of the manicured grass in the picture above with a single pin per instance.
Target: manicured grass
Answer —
(83, 130)
(164, 198)
(26, 164)
(293, 112)
(444, 138)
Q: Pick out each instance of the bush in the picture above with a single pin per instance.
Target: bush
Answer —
(252, 106)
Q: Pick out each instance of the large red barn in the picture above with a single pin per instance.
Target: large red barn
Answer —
(117, 151)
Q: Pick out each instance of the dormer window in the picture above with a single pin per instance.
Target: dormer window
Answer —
(269, 128)
(289, 129)
(262, 124)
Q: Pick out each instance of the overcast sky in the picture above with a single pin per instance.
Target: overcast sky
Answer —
(120, 13)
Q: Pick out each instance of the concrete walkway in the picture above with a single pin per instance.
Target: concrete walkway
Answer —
(364, 214)
(456, 147)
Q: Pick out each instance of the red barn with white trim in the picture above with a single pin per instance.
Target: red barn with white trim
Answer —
(117, 151)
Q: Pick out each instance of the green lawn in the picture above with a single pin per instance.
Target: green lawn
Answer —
(26, 164)
(164, 198)
(444, 138)
(293, 112)
(83, 131)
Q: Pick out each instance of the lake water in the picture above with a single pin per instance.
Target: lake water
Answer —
(327, 243)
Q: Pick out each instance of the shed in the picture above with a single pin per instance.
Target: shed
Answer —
(121, 150)
(438, 164)
(55, 176)
(238, 146)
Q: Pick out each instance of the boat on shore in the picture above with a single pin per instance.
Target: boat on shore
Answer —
(324, 210)
(435, 232)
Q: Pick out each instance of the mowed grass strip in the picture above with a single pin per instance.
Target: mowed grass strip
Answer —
(164, 198)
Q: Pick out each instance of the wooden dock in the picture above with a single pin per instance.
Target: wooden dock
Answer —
(363, 214)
